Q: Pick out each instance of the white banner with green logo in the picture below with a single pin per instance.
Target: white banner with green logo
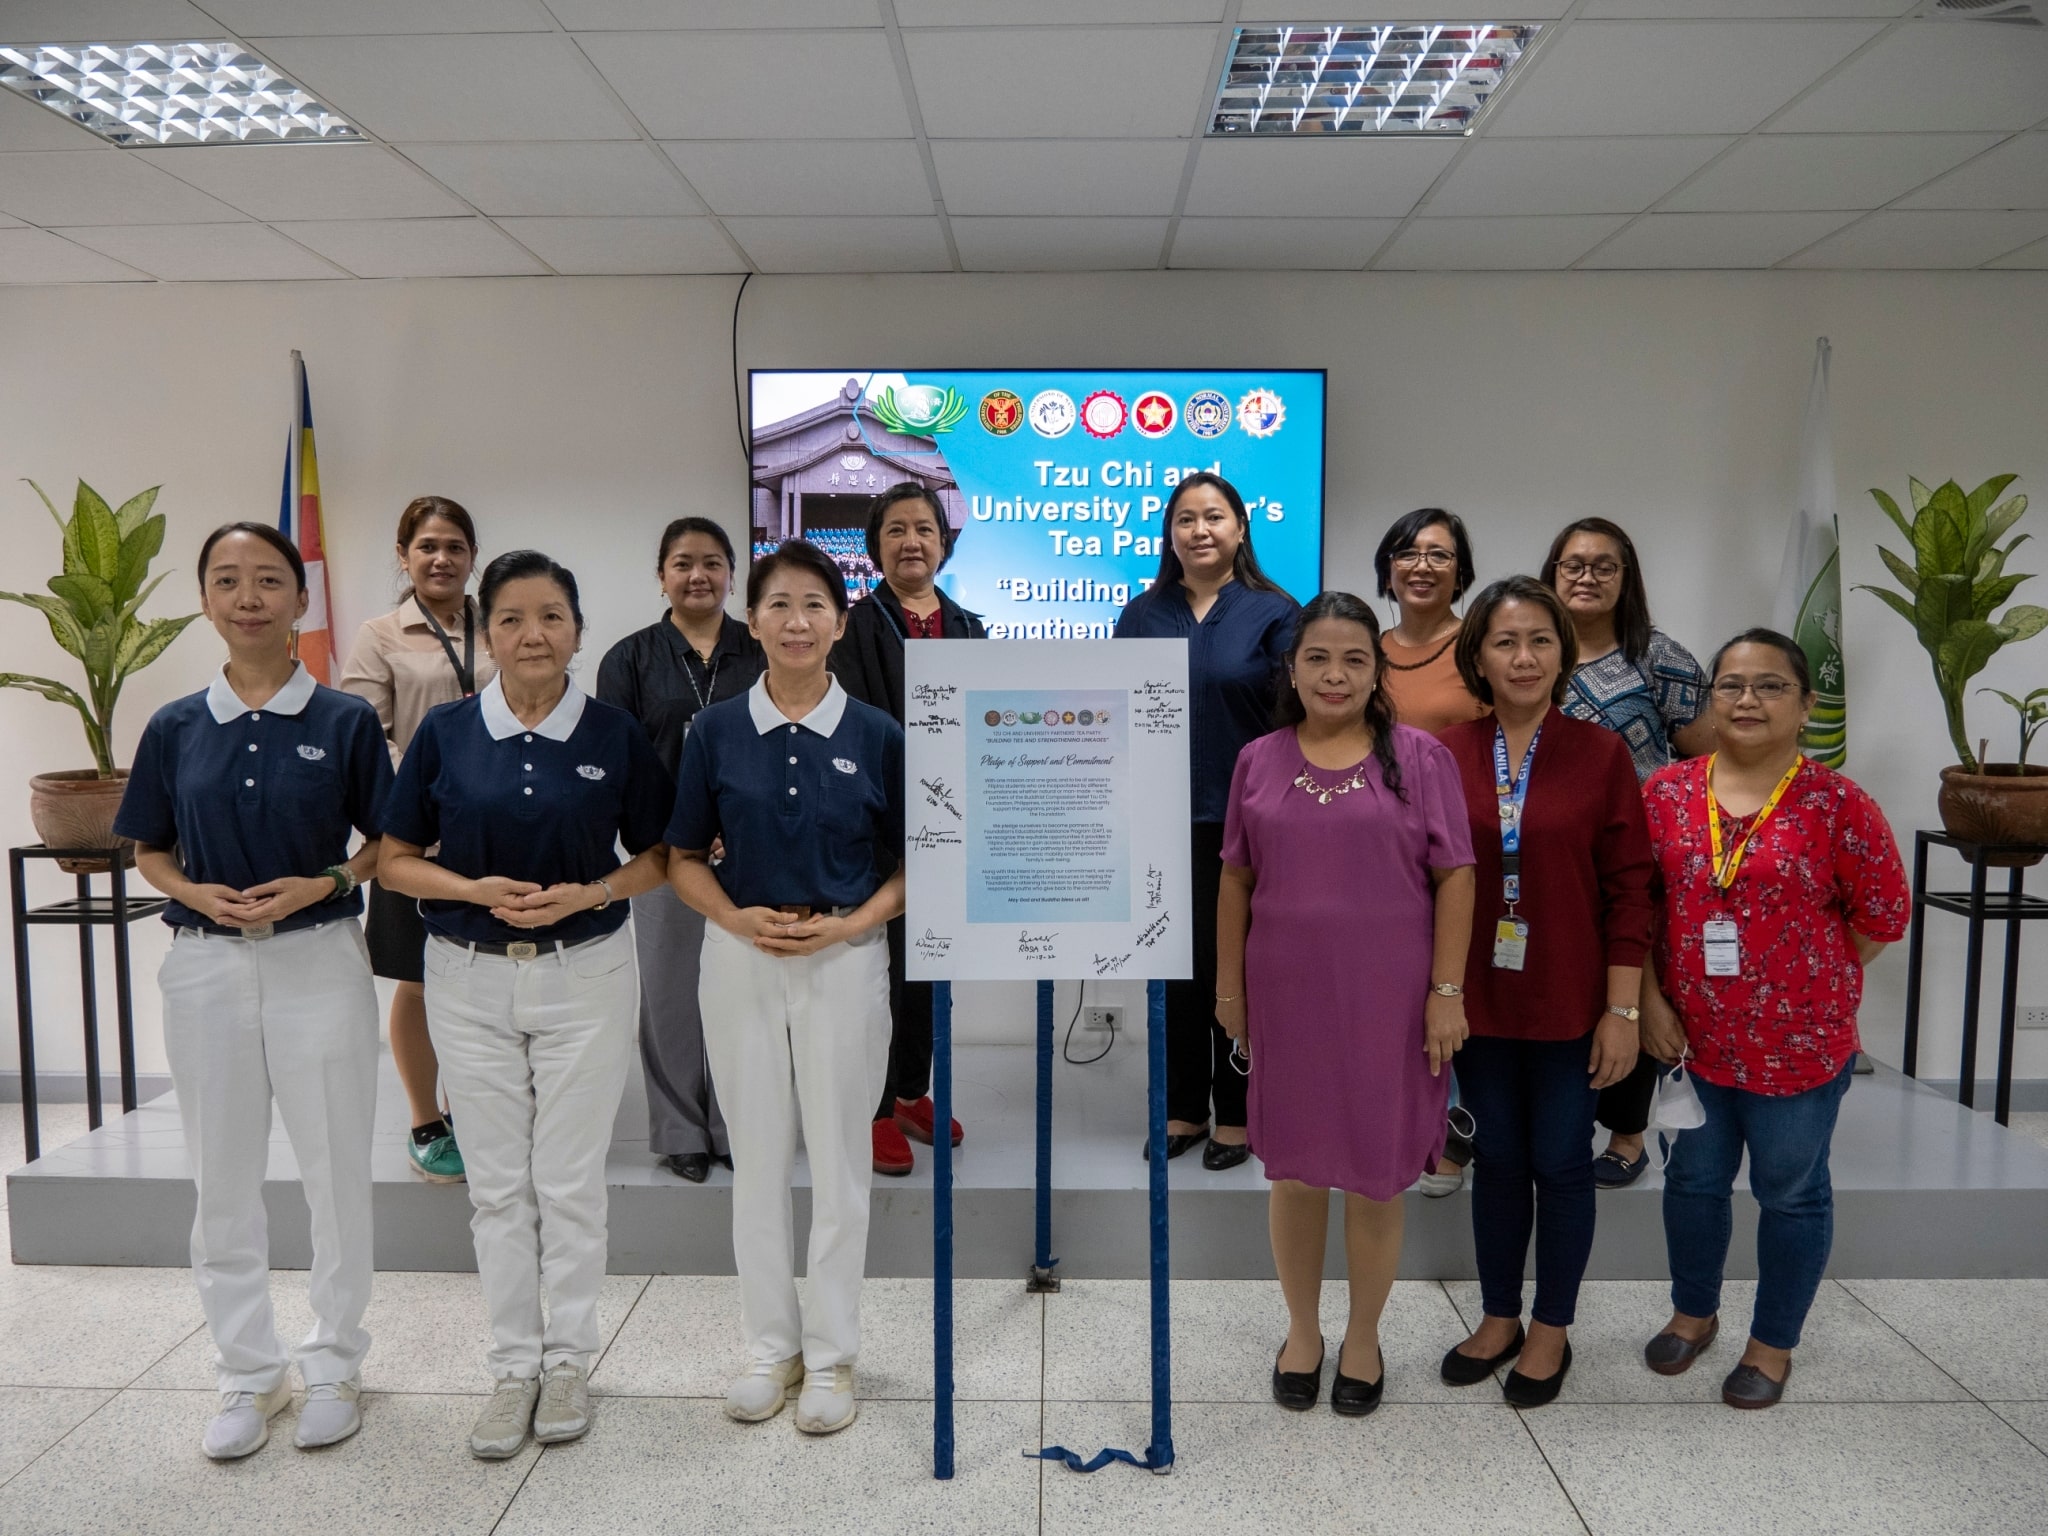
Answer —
(1809, 604)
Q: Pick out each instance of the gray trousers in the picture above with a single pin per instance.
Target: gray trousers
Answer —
(682, 1107)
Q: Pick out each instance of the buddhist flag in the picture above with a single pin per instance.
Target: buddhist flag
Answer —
(1809, 604)
(299, 517)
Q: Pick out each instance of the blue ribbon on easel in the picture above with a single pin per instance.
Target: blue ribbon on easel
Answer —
(1043, 1261)
(942, 1230)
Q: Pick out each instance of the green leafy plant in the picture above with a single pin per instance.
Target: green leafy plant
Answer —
(95, 607)
(2033, 713)
(1954, 584)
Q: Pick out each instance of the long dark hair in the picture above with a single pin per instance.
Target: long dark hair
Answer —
(1379, 709)
(1245, 568)
(1632, 612)
(1402, 536)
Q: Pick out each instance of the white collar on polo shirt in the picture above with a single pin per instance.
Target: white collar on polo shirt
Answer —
(768, 716)
(224, 704)
(501, 722)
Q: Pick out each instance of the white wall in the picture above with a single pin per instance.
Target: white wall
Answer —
(579, 414)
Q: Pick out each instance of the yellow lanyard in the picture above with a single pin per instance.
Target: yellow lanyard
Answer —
(1728, 862)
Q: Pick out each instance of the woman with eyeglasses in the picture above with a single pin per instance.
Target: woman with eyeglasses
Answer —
(1424, 563)
(1781, 883)
(1640, 683)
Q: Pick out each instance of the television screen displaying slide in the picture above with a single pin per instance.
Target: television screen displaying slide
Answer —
(1054, 481)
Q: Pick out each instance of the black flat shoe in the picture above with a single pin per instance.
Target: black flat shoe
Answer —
(1175, 1145)
(1219, 1155)
(723, 1159)
(694, 1166)
(1354, 1398)
(1461, 1370)
(1520, 1391)
(1613, 1171)
(1669, 1355)
(1298, 1390)
(1748, 1387)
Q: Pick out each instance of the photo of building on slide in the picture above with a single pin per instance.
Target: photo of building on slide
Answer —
(821, 453)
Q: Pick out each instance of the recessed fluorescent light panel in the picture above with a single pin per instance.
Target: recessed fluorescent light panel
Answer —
(1393, 77)
(170, 93)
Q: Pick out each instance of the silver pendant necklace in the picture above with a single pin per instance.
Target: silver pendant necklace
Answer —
(1323, 794)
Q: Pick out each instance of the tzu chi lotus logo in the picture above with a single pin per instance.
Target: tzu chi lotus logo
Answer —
(921, 410)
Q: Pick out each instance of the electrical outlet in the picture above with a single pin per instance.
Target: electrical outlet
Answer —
(2033, 1018)
(1102, 1021)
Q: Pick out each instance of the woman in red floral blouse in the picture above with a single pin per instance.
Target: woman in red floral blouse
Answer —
(1780, 883)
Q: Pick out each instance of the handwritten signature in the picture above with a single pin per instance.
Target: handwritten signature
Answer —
(929, 943)
(934, 693)
(935, 837)
(1154, 929)
(932, 725)
(1109, 965)
(940, 794)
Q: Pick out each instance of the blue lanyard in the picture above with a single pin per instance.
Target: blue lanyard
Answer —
(1511, 795)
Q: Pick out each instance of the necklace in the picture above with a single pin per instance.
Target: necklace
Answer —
(1416, 666)
(1323, 794)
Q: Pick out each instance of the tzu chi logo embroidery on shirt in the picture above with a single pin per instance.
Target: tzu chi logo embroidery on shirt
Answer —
(590, 771)
(312, 754)
(844, 765)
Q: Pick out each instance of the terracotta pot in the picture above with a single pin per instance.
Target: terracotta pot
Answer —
(2005, 803)
(76, 809)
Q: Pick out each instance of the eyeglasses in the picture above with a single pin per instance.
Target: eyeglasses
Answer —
(1435, 559)
(1599, 570)
(1767, 689)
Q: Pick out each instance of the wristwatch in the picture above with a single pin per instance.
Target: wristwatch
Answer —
(1447, 989)
(1633, 1015)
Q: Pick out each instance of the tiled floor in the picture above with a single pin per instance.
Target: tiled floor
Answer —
(1918, 1406)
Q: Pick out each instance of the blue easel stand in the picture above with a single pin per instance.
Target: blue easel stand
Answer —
(1044, 1267)
(942, 1230)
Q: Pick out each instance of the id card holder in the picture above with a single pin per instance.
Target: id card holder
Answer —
(1510, 944)
(1723, 946)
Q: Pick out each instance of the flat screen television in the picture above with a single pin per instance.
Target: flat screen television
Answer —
(1054, 480)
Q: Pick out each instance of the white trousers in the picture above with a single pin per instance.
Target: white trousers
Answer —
(798, 1040)
(534, 1056)
(292, 1018)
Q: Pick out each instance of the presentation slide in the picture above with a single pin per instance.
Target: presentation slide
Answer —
(1054, 481)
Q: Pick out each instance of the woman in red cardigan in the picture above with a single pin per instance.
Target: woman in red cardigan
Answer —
(1559, 932)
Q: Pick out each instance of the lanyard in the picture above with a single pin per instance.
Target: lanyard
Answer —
(1727, 862)
(465, 669)
(710, 681)
(1512, 794)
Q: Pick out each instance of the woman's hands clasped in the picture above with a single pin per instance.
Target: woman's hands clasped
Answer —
(777, 933)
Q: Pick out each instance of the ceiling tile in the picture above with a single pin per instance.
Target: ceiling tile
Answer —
(585, 246)
(86, 186)
(1510, 176)
(1062, 82)
(755, 85)
(814, 176)
(859, 244)
(103, 21)
(1052, 176)
(516, 86)
(1058, 245)
(1310, 179)
(1935, 75)
(37, 256)
(306, 181)
(367, 18)
(201, 253)
(1782, 172)
(1890, 238)
(1253, 245)
(583, 179)
(1714, 239)
(670, 15)
(2014, 175)
(415, 247)
(1672, 76)
(1497, 245)
(1399, 10)
(2033, 258)
(26, 125)
(1761, 10)
(1052, 13)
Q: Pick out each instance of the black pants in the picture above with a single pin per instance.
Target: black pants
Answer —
(1625, 1106)
(910, 1030)
(1198, 1069)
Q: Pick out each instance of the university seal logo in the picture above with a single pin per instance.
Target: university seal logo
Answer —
(1002, 412)
(1103, 414)
(1153, 415)
(1260, 413)
(1207, 413)
(1052, 413)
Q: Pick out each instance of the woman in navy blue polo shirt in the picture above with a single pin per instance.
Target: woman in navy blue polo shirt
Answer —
(1237, 623)
(241, 802)
(531, 987)
(805, 787)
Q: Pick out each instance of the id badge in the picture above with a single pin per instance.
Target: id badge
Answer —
(1510, 944)
(1724, 948)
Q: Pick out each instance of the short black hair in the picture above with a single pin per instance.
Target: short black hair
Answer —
(264, 531)
(1793, 652)
(683, 526)
(516, 565)
(907, 490)
(1479, 618)
(1402, 536)
(805, 556)
(1632, 609)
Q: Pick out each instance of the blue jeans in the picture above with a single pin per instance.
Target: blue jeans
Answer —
(1532, 1105)
(1788, 1138)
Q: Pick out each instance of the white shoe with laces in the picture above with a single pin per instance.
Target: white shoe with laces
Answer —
(564, 1410)
(827, 1402)
(767, 1385)
(501, 1432)
(330, 1415)
(242, 1427)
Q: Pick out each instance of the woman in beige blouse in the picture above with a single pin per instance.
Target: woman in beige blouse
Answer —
(422, 654)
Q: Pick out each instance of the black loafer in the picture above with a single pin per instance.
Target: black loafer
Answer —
(694, 1166)
(1175, 1145)
(1354, 1398)
(1669, 1355)
(1462, 1370)
(1520, 1391)
(1748, 1387)
(1219, 1155)
(1613, 1171)
(1298, 1390)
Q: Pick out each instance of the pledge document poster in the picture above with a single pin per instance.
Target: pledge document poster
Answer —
(1046, 810)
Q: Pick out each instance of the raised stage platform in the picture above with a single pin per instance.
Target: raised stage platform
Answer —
(1924, 1188)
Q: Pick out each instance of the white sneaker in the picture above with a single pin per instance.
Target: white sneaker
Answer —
(827, 1402)
(501, 1432)
(242, 1427)
(1448, 1181)
(564, 1411)
(761, 1393)
(330, 1415)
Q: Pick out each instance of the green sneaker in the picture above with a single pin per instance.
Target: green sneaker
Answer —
(439, 1161)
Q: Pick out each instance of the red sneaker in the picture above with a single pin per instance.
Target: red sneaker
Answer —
(892, 1152)
(915, 1118)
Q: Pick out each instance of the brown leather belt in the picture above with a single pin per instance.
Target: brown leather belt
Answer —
(796, 911)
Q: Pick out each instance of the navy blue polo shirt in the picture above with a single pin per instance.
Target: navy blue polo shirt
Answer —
(546, 804)
(1235, 658)
(811, 811)
(248, 796)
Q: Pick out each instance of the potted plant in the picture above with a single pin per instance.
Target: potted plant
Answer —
(1952, 589)
(94, 612)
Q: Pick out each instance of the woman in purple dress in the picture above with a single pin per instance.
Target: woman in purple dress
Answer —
(1341, 928)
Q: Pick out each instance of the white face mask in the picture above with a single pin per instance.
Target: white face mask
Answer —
(1676, 1107)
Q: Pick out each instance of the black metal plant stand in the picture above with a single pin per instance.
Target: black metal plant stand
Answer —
(84, 912)
(1979, 905)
